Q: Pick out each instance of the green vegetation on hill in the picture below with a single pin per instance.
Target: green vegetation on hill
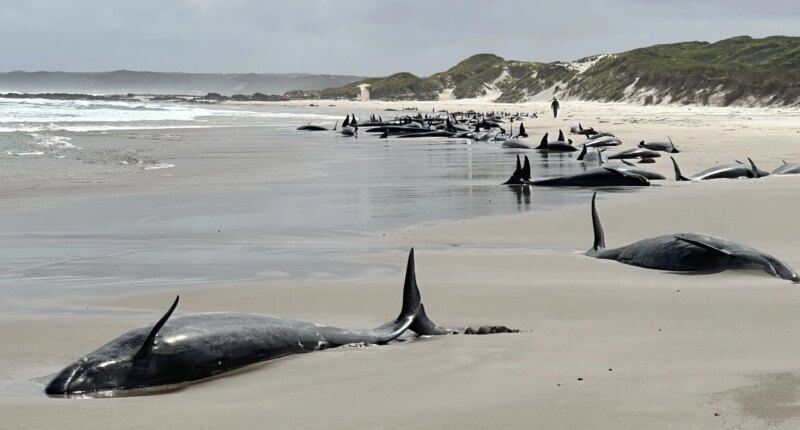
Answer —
(738, 70)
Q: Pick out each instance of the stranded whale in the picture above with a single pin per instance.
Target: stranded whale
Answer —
(191, 347)
(687, 252)
(600, 177)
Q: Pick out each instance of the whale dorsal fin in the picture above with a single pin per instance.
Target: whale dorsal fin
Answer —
(599, 236)
(755, 169)
(543, 143)
(582, 154)
(703, 245)
(526, 169)
(678, 175)
(411, 296)
(149, 341)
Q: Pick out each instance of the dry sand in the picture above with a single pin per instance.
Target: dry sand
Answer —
(604, 346)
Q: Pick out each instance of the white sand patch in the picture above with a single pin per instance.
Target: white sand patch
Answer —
(364, 96)
(629, 91)
(491, 91)
(447, 94)
(548, 93)
(583, 66)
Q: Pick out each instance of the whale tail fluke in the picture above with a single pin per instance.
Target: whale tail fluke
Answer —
(599, 237)
(678, 175)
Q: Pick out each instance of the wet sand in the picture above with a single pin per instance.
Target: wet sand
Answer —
(604, 345)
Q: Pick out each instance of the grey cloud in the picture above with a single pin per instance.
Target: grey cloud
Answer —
(357, 36)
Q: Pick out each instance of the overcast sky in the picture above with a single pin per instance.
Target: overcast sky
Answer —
(369, 37)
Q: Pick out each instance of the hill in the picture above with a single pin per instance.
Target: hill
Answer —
(740, 71)
(125, 81)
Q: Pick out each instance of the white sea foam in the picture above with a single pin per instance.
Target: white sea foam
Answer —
(159, 166)
(42, 115)
(52, 141)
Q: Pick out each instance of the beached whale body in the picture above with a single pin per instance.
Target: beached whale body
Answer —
(628, 154)
(601, 177)
(557, 146)
(727, 171)
(787, 169)
(687, 252)
(594, 156)
(515, 144)
(191, 347)
(660, 146)
(631, 168)
(311, 127)
(601, 141)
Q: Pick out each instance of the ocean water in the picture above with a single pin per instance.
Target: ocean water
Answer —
(293, 229)
(42, 127)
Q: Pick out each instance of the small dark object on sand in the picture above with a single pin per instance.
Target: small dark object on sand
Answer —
(490, 329)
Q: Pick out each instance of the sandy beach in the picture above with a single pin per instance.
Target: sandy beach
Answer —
(603, 345)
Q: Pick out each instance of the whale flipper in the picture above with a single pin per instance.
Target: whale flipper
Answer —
(705, 246)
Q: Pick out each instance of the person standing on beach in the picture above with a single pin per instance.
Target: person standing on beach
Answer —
(555, 107)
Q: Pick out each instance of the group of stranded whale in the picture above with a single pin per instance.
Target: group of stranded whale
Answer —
(187, 348)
